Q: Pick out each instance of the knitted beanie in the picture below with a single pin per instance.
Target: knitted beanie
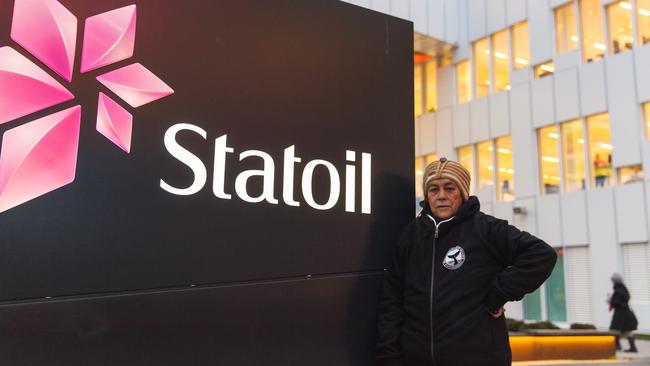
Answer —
(449, 169)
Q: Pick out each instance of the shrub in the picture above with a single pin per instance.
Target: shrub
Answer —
(520, 326)
(541, 325)
(582, 326)
(514, 325)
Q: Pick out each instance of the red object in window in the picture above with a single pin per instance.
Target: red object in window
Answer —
(419, 58)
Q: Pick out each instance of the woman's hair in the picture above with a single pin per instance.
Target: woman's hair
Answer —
(616, 278)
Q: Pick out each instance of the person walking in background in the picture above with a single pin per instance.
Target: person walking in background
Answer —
(624, 320)
(453, 270)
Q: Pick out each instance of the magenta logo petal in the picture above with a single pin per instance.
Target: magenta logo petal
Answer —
(108, 38)
(48, 31)
(114, 122)
(135, 85)
(25, 88)
(41, 156)
(38, 157)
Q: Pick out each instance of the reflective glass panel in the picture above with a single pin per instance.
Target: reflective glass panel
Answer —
(463, 86)
(555, 293)
(532, 304)
(431, 72)
(593, 45)
(520, 45)
(600, 150)
(646, 119)
(430, 158)
(505, 169)
(485, 164)
(573, 156)
(630, 174)
(481, 74)
(544, 69)
(466, 158)
(419, 174)
(619, 26)
(566, 34)
(549, 159)
(643, 20)
(501, 61)
(417, 89)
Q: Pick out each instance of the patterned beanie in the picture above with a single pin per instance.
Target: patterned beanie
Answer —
(449, 169)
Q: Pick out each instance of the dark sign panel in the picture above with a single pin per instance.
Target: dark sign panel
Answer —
(158, 157)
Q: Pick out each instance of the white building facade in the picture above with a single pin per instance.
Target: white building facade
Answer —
(547, 103)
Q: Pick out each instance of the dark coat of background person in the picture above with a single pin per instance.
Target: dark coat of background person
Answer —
(624, 319)
(502, 264)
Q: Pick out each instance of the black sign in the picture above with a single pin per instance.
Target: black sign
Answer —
(277, 174)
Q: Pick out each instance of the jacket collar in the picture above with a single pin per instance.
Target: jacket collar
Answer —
(467, 209)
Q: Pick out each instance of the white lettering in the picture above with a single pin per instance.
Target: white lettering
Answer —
(366, 162)
(350, 181)
(219, 175)
(267, 173)
(335, 184)
(187, 158)
(287, 176)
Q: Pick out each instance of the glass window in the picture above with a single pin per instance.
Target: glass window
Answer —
(544, 69)
(463, 89)
(521, 45)
(593, 46)
(619, 26)
(646, 119)
(630, 174)
(466, 158)
(481, 74)
(644, 20)
(421, 162)
(430, 158)
(600, 150)
(431, 72)
(485, 164)
(501, 61)
(505, 169)
(555, 293)
(549, 159)
(533, 305)
(573, 156)
(417, 89)
(566, 34)
(419, 175)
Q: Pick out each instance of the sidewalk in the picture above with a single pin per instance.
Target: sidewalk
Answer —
(642, 355)
(642, 358)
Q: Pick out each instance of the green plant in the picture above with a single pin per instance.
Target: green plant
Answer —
(645, 337)
(541, 325)
(582, 326)
(514, 325)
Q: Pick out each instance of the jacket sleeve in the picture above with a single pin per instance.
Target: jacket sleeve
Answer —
(527, 261)
(390, 311)
(617, 300)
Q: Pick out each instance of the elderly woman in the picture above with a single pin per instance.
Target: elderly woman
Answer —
(623, 320)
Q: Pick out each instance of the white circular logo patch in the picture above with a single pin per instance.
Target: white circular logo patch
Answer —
(454, 258)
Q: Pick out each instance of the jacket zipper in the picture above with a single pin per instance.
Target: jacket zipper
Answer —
(433, 271)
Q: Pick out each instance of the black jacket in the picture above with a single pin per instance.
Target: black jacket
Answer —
(624, 319)
(500, 264)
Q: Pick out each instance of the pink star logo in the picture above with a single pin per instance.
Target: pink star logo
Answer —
(41, 156)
